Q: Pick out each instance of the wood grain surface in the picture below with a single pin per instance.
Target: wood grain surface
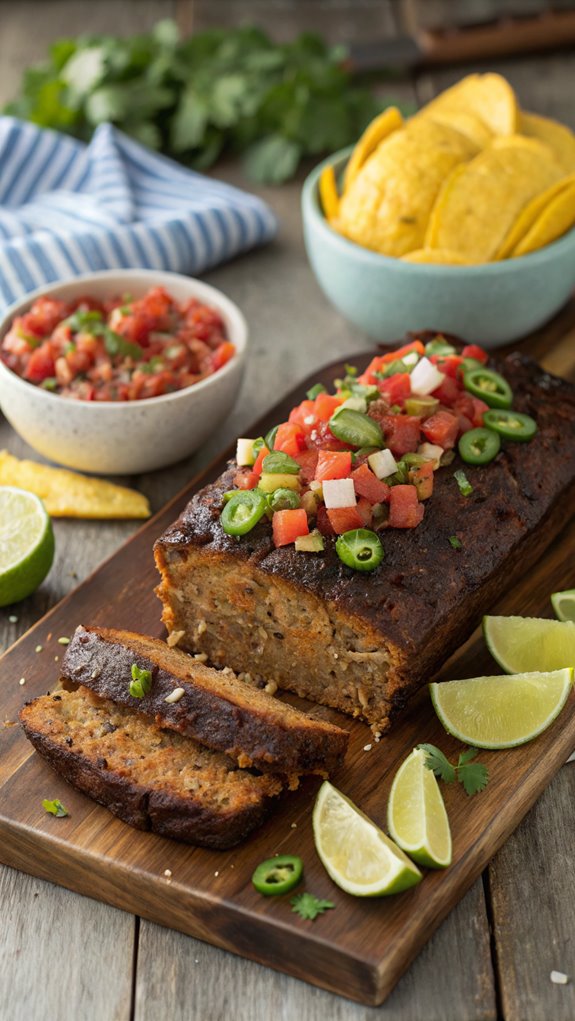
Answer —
(361, 948)
(492, 956)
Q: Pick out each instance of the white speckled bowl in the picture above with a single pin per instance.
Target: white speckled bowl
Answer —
(124, 437)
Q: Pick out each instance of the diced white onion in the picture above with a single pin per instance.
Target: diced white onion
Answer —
(425, 378)
(245, 453)
(411, 359)
(339, 493)
(354, 404)
(431, 452)
(382, 463)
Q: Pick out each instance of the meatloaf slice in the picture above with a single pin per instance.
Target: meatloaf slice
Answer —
(151, 778)
(214, 707)
(363, 643)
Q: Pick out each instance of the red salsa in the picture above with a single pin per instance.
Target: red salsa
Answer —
(117, 350)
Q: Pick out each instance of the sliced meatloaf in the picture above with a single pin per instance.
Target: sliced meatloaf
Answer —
(214, 707)
(151, 778)
(363, 643)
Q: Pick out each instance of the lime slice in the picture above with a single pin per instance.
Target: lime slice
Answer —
(521, 644)
(563, 604)
(416, 816)
(26, 544)
(356, 853)
(501, 712)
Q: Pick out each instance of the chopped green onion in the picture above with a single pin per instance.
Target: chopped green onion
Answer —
(141, 683)
(278, 463)
(455, 542)
(351, 370)
(315, 390)
(465, 487)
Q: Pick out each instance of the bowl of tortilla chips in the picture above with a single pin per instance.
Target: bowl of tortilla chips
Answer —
(460, 219)
(125, 437)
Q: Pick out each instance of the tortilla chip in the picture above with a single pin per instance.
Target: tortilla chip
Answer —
(379, 128)
(529, 214)
(487, 96)
(558, 137)
(467, 123)
(66, 494)
(555, 220)
(481, 200)
(328, 193)
(387, 206)
(439, 256)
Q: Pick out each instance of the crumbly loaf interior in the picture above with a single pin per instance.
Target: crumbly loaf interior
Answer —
(145, 754)
(259, 625)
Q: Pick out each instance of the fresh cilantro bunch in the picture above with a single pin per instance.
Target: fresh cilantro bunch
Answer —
(224, 90)
(474, 776)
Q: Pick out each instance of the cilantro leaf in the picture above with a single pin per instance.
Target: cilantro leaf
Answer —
(55, 808)
(473, 775)
(456, 542)
(436, 761)
(141, 683)
(307, 906)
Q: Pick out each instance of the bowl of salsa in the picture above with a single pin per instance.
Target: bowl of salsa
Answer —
(121, 371)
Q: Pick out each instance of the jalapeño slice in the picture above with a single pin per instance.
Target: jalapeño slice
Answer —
(355, 428)
(489, 386)
(242, 511)
(512, 425)
(479, 446)
(360, 548)
(278, 875)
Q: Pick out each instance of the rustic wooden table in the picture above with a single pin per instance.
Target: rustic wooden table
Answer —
(66, 958)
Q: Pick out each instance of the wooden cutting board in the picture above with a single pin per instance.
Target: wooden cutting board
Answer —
(359, 949)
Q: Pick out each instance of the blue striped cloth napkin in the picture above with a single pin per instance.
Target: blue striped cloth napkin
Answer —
(68, 208)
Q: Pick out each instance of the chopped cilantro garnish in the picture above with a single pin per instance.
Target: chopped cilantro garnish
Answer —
(455, 542)
(141, 683)
(474, 776)
(465, 487)
(307, 906)
(55, 808)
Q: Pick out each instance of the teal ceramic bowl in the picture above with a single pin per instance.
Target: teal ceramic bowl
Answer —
(491, 304)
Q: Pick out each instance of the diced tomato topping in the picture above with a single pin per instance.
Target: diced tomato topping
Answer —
(323, 524)
(422, 478)
(322, 437)
(441, 428)
(40, 364)
(343, 519)
(379, 363)
(480, 407)
(448, 364)
(246, 480)
(333, 464)
(405, 510)
(307, 459)
(299, 414)
(365, 511)
(288, 525)
(448, 392)
(325, 405)
(222, 354)
(474, 351)
(402, 433)
(289, 439)
(395, 388)
(257, 467)
(368, 485)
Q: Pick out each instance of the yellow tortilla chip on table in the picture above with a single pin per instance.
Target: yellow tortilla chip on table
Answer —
(555, 220)
(529, 215)
(328, 193)
(481, 200)
(67, 494)
(378, 129)
(559, 138)
(437, 256)
(387, 206)
(467, 123)
(487, 96)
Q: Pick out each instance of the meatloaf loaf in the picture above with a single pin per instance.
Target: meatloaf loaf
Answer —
(214, 707)
(151, 778)
(364, 643)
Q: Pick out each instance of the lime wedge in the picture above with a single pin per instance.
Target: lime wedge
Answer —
(416, 816)
(26, 544)
(359, 857)
(563, 604)
(521, 644)
(501, 712)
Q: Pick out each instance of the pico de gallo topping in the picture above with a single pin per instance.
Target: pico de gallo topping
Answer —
(117, 350)
(348, 465)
